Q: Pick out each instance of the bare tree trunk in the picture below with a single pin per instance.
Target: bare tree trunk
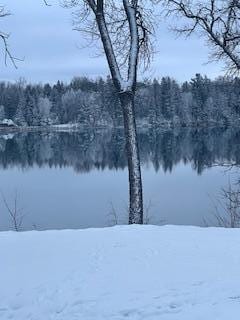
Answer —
(131, 27)
(134, 169)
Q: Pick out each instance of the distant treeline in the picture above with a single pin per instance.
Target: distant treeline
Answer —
(94, 102)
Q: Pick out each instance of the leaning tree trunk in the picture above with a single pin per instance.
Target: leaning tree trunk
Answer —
(134, 169)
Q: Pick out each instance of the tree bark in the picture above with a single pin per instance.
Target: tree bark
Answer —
(132, 150)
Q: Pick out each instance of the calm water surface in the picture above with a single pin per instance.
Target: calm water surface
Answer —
(79, 179)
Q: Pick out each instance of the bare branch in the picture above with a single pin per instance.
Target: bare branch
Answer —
(46, 3)
(125, 28)
(218, 21)
(4, 37)
(227, 206)
(15, 212)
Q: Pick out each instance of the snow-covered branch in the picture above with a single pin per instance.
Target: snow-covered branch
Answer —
(131, 11)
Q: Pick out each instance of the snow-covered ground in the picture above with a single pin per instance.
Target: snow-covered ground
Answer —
(124, 272)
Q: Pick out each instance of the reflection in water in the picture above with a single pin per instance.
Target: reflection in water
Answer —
(70, 179)
(102, 149)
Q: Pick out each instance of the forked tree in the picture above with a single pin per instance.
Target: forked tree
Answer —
(218, 21)
(124, 28)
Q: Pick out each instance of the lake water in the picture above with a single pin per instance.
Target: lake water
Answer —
(79, 179)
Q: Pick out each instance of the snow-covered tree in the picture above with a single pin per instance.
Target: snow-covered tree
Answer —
(200, 101)
(2, 113)
(44, 108)
(19, 118)
(165, 99)
(56, 99)
(124, 31)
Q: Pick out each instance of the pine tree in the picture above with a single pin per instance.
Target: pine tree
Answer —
(19, 118)
(166, 105)
(2, 113)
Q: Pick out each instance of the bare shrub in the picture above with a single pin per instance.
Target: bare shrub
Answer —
(15, 212)
(227, 206)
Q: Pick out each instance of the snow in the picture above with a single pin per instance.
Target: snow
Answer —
(8, 122)
(67, 126)
(124, 272)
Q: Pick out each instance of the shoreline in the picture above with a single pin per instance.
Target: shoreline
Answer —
(77, 128)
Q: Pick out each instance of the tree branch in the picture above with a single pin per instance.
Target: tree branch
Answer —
(219, 21)
(4, 37)
(131, 11)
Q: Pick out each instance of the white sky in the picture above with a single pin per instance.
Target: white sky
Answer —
(43, 36)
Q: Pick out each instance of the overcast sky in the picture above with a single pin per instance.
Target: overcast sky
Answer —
(43, 36)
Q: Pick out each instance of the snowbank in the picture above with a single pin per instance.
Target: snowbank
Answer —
(128, 272)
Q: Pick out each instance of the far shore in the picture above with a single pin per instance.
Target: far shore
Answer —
(82, 127)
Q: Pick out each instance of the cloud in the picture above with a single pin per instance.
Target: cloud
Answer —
(43, 36)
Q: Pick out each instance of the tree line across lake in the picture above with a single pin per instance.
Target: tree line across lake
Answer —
(95, 102)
